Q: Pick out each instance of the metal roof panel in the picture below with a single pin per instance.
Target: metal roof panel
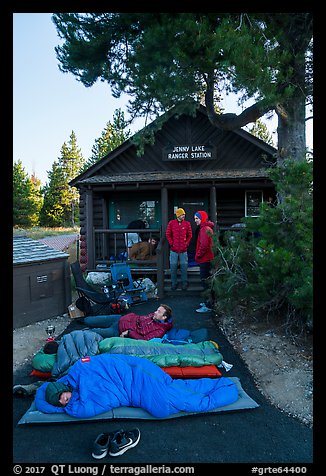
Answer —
(27, 250)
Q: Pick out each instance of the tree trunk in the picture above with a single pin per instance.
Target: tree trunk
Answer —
(291, 130)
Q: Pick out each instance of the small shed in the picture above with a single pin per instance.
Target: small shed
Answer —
(41, 282)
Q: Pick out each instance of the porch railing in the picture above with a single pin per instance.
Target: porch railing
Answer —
(109, 246)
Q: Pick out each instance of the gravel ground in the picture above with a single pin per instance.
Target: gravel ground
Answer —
(30, 339)
(282, 367)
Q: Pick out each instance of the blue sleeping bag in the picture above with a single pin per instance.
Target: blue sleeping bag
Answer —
(106, 381)
(184, 336)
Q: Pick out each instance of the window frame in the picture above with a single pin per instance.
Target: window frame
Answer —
(112, 210)
(247, 192)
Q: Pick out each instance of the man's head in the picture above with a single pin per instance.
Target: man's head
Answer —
(163, 313)
(180, 214)
(58, 394)
(153, 241)
(200, 217)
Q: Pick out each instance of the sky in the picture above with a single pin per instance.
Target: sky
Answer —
(48, 104)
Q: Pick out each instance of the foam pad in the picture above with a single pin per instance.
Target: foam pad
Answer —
(35, 416)
(209, 371)
(40, 374)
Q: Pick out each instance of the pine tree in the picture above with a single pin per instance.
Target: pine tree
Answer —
(267, 268)
(260, 130)
(52, 212)
(113, 135)
(60, 206)
(27, 198)
(166, 60)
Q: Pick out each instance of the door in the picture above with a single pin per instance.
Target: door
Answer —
(191, 204)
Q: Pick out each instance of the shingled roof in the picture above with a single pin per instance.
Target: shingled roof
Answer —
(165, 176)
(27, 250)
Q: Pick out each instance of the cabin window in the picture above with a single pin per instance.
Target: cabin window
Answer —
(253, 199)
(123, 211)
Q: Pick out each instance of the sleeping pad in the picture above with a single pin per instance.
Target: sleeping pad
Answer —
(106, 381)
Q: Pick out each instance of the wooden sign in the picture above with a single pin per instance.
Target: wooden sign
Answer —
(189, 152)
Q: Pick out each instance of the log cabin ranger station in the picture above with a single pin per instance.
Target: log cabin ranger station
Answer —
(192, 165)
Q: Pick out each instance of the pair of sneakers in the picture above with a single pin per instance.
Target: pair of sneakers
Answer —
(203, 308)
(115, 442)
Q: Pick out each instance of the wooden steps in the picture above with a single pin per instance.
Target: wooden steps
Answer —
(194, 286)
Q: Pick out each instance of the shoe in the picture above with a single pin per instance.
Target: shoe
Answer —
(122, 441)
(174, 288)
(185, 287)
(26, 390)
(20, 391)
(101, 445)
(203, 309)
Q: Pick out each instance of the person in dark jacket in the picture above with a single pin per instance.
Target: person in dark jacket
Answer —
(179, 234)
(146, 327)
(204, 250)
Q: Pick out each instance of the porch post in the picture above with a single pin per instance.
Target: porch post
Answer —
(213, 206)
(162, 261)
(89, 230)
(164, 208)
(105, 219)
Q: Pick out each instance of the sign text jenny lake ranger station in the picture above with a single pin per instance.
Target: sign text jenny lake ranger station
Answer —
(189, 152)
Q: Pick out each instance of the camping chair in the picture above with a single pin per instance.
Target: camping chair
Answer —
(99, 303)
(121, 276)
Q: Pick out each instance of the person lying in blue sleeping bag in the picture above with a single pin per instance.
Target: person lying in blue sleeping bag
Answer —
(96, 384)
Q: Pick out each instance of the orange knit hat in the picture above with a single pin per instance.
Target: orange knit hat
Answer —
(179, 212)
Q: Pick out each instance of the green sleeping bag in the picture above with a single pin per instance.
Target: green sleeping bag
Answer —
(43, 362)
(165, 355)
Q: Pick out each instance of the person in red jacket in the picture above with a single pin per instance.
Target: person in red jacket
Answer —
(155, 324)
(179, 234)
(204, 250)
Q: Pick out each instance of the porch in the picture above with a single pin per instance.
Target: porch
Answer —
(109, 246)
